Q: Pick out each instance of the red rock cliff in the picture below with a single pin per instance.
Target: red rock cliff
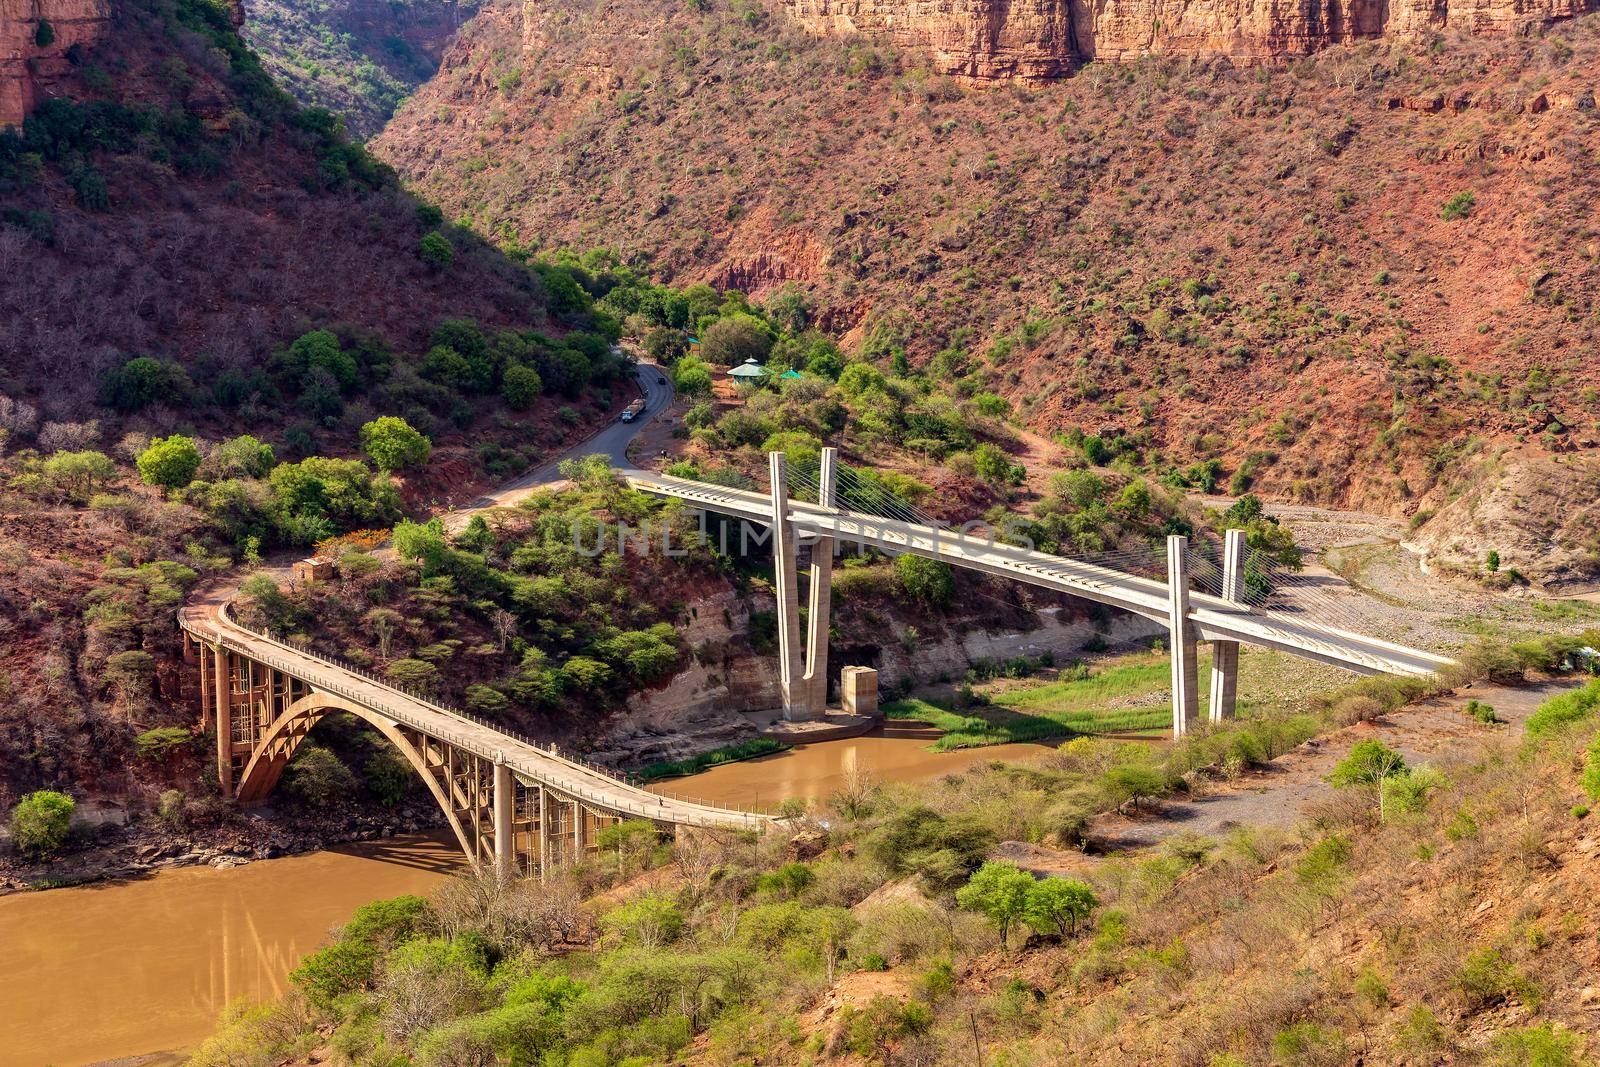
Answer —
(29, 67)
(1037, 40)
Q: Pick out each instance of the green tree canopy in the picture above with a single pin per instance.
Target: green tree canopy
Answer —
(391, 443)
(169, 462)
(1000, 891)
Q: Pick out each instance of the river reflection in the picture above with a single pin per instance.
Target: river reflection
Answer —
(895, 751)
(127, 968)
(132, 968)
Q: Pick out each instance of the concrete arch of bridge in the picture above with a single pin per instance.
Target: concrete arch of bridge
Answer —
(280, 741)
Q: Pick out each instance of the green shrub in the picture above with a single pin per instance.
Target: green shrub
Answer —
(44, 34)
(350, 963)
(1546, 1045)
(41, 822)
(927, 580)
(435, 251)
(143, 381)
(1484, 713)
(1308, 1045)
(169, 462)
(520, 386)
(1457, 207)
(318, 777)
(1567, 709)
(162, 742)
(391, 443)
(413, 674)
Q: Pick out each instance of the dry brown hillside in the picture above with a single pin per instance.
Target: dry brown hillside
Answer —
(1355, 278)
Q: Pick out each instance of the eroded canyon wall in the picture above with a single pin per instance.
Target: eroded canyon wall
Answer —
(34, 38)
(1038, 40)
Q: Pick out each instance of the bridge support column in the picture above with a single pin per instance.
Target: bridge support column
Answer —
(821, 595)
(1185, 654)
(223, 676)
(505, 801)
(1225, 654)
(790, 680)
(544, 832)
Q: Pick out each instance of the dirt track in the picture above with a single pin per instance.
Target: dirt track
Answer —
(1281, 794)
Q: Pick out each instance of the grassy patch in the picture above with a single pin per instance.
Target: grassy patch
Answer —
(759, 746)
(1061, 708)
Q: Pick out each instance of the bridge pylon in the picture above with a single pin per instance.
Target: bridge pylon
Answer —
(1181, 634)
(820, 593)
(1225, 654)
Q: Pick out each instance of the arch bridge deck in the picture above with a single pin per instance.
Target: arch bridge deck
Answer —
(509, 800)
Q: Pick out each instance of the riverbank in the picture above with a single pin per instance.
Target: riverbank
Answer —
(114, 851)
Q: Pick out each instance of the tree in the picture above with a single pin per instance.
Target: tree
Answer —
(1059, 905)
(44, 34)
(648, 921)
(858, 379)
(318, 497)
(169, 462)
(158, 744)
(318, 777)
(423, 542)
(391, 443)
(1000, 891)
(131, 672)
(1369, 764)
(142, 381)
(691, 377)
(76, 474)
(241, 457)
(413, 673)
(1128, 784)
(486, 701)
(520, 386)
(927, 580)
(730, 341)
(41, 821)
(267, 600)
(436, 251)
(321, 350)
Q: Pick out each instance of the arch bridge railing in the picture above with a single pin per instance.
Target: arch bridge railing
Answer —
(518, 761)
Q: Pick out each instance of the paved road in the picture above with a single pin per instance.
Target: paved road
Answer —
(611, 442)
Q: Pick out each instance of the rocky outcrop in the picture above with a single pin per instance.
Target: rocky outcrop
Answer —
(701, 708)
(34, 38)
(1039, 40)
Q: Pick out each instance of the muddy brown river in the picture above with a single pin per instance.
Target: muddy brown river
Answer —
(140, 969)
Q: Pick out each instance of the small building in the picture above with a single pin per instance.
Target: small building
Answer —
(314, 569)
(858, 691)
(791, 375)
(748, 373)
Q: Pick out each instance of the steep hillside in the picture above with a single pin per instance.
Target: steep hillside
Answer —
(191, 257)
(359, 58)
(1348, 281)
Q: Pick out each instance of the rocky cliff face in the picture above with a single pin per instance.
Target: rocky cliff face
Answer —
(1039, 40)
(34, 38)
